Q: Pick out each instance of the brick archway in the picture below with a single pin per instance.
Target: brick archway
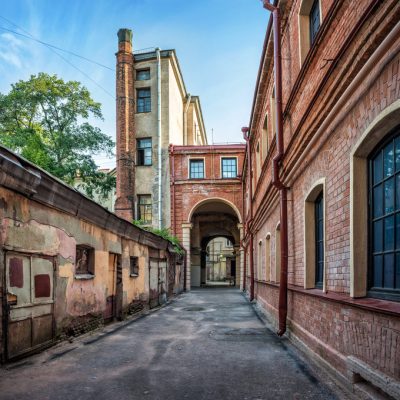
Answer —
(207, 206)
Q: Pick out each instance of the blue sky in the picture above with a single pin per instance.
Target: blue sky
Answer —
(218, 43)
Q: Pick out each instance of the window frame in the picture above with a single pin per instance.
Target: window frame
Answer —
(222, 169)
(146, 101)
(90, 271)
(146, 205)
(139, 71)
(319, 237)
(316, 5)
(138, 149)
(190, 168)
(134, 266)
(372, 291)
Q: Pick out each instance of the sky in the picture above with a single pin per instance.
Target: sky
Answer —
(218, 44)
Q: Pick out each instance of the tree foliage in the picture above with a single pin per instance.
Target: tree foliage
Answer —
(46, 121)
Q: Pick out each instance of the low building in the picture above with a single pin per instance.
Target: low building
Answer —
(333, 220)
(67, 265)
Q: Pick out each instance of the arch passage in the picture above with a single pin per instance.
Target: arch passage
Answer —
(205, 208)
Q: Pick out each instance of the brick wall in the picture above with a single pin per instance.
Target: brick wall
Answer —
(318, 144)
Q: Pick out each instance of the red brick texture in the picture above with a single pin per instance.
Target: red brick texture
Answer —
(347, 39)
(186, 193)
(126, 142)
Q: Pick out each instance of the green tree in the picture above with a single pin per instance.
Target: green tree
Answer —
(46, 121)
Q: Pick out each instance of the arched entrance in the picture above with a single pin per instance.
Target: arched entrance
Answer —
(214, 221)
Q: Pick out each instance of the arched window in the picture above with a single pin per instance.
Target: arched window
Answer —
(277, 271)
(259, 261)
(319, 241)
(309, 23)
(265, 139)
(384, 219)
(314, 237)
(268, 257)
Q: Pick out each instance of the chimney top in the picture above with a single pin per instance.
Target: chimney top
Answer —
(124, 35)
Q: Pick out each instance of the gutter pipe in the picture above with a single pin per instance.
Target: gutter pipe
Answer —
(246, 137)
(159, 134)
(276, 181)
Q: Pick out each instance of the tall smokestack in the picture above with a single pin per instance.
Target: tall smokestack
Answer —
(126, 144)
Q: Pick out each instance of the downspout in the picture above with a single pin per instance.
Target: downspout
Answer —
(185, 127)
(172, 172)
(244, 233)
(246, 137)
(159, 134)
(276, 181)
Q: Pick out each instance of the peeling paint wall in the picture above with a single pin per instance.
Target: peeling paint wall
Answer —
(28, 227)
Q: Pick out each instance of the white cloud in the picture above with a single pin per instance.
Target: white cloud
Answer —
(11, 49)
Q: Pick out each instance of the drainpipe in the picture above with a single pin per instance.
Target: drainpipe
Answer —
(246, 137)
(159, 134)
(172, 172)
(276, 181)
(185, 127)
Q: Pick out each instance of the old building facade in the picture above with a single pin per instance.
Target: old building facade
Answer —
(153, 110)
(67, 265)
(207, 201)
(321, 184)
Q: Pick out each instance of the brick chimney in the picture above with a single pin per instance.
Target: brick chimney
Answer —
(126, 144)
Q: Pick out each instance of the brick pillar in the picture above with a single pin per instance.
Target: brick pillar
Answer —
(240, 266)
(126, 144)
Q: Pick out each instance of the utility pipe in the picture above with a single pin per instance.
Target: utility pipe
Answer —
(185, 127)
(246, 137)
(172, 184)
(276, 181)
(159, 134)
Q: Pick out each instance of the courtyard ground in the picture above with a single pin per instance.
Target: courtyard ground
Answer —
(207, 344)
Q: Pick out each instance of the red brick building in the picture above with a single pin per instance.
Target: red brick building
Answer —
(206, 201)
(330, 213)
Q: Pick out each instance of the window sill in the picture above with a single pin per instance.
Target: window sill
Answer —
(144, 165)
(143, 112)
(133, 275)
(84, 277)
(366, 303)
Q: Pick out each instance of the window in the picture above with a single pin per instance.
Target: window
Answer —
(196, 169)
(228, 243)
(319, 241)
(144, 152)
(309, 24)
(314, 236)
(143, 74)
(259, 261)
(278, 253)
(143, 101)
(314, 21)
(145, 208)
(84, 260)
(265, 138)
(384, 217)
(134, 266)
(268, 257)
(229, 168)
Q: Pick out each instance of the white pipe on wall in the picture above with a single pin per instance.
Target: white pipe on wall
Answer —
(159, 134)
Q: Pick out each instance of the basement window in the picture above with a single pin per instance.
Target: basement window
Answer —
(134, 266)
(84, 261)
